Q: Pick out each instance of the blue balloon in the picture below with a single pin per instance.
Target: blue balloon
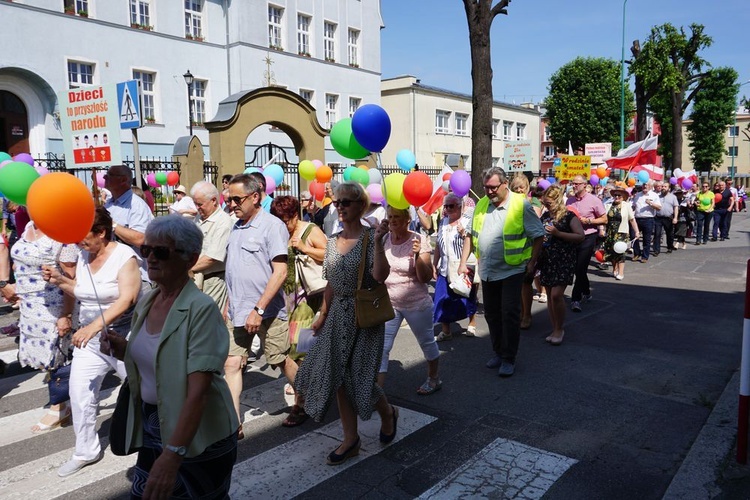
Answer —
(406, 160)
(643, 176)
(371, 127)
(250, 170)
(275, 172)
(551, 180)
(557, 162)
(603, 182)
(348, 173)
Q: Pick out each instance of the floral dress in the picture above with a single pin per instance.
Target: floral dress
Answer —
(343, 354)
(557, 261)
(614, 219)
(41, 302)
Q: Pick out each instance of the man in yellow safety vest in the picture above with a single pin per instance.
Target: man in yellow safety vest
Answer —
(506, 236)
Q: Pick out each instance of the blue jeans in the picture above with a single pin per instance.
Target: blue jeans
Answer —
(720, 223)
(646, 227)
(702, 225)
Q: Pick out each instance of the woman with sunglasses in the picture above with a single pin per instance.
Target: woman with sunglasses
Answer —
(107, 283)
(449, 306)
(619, 218)
(343, 363)
(704, 212)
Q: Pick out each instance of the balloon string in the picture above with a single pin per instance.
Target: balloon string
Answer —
(98, 302)
(383, 185)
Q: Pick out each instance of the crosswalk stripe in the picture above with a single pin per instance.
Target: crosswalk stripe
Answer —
(10, 356)
(19, 384)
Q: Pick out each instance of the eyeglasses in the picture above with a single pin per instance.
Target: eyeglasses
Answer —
(705, 185)
(343, 203)
(160, 252)
(238, 200)
(449, 206)
(488, 187)
(577, 183)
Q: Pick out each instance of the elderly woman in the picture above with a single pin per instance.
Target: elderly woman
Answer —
(408, 255)
(620, 217)
(181, 417)
(107, 284)
(344, 360)
(46, 312)
(448, 305)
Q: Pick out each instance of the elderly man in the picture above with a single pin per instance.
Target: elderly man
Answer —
(666, 218)
(255, 272)
(591, 213)
(307, 204)
(215, 224)
(645, 205)
(130, 214)
(183, 204)
(506, 236)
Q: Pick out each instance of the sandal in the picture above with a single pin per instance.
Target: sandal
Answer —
(289, 390)
(62, 418)
(444, 336)
(427, 388)
(542, 298)
(10, 330)
(296, 417)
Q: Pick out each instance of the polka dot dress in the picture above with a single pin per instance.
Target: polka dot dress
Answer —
(343, 355)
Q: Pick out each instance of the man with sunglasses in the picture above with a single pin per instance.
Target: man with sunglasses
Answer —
(506, 236)
(256, 268)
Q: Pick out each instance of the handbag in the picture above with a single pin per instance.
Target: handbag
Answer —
(372, 306)
(301, 317)
(309, 272)
(118, 424)
(59, 377)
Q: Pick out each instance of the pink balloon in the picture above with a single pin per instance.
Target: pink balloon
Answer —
(460, 183)
(151, 180)
(270, 184)
(6, 162)
(317, 163)
(24, 157)
(375, 193)
(100, 179)
(41, 170)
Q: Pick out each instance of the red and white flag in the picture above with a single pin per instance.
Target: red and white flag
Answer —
(436, 200)
(638, 153)
(654, 173)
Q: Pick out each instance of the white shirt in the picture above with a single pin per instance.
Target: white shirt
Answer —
(643, 209)
(186, 203)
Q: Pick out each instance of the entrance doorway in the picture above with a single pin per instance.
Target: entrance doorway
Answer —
(14, 124)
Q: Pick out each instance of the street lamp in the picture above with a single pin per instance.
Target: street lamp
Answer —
(622, 81)
(189, 81)
(735, 131)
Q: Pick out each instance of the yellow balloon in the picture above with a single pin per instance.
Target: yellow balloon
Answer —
(393, 190)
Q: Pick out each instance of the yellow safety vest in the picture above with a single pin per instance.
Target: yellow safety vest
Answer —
(515, 243)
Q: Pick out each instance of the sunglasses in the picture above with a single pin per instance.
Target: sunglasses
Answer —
(238, 200)
(449, 206)
(344, 203)
(161, 253)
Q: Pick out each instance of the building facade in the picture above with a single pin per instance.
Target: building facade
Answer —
(736, 161)
(328, 51)
(435, 124)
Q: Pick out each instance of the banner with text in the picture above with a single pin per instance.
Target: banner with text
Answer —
(90, 125)
(570, 166)
(517, 156)
(598, 151)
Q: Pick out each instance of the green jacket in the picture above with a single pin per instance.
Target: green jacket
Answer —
(515, 243)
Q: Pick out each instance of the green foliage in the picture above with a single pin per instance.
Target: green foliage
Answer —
(661, 105)
(713, 111)
(584, 102)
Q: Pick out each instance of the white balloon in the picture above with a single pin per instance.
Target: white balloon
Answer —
(375, 176)
(620, 247)
(447, 186)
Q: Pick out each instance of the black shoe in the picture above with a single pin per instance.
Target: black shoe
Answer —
(336, 459)
(387, 438)
(727, 238)
(655, 254)
(669, 251)
(697, 242)
(721, 239)
(713, 239)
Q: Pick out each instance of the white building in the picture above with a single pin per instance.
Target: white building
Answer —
(435, 124)
(326, 50)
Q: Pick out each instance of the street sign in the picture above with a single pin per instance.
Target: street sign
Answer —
(129, 104)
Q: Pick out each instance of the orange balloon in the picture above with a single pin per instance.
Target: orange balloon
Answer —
(364, 167)
(601, 172)
(61, 205)
(323, 174)
(631, 182)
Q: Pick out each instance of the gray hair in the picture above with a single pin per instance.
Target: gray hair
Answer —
(205, 188)
(250, 183)
(492, 171)
(181, 231)
(454, 197)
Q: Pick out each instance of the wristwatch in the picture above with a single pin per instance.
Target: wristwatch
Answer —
(260, 311)
(3, 284)
(180, 450)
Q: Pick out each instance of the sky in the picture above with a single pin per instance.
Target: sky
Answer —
(429, 39)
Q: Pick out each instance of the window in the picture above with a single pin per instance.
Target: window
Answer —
(198, 101)
(194, 19)
(353, 48)
(329, 41)
(149, 93)
(442, 122)
(303, 35)
(140, 13)
(274, 27)
(495, 127)
(547, 134)
(733, 150)
(734, 131)
(461, 123)
(520, 131)
(80, 74)
(354, 103)
(306, 95)
(549, 153)
(332, 102)
(507, 130)
(78, 7)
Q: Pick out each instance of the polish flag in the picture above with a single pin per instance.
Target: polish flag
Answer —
(638, 153)
(655, 173)
(436, 200)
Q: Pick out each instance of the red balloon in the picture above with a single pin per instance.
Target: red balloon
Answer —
(417, 188)
(318, 190)
(447, 176)
(717, 198)
(599, 255)
(173, 178)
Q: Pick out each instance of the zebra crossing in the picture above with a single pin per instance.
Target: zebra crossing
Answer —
(284, 471)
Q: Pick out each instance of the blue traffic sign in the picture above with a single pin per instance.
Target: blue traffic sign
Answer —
(129, 104)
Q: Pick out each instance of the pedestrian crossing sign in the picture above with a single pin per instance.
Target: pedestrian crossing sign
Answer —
(129, 104)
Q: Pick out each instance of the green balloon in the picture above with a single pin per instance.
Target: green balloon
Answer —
(348, 173)
(393, 190)
(343, 141)
(15, 180)
(5, 157)
(307, 170)
(704, 201)
(161, 178)
(361, 176)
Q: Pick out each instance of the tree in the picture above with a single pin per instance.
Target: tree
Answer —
(713, 111)
(643, 95)
(670, 60)
(583, 104)
(479, 15)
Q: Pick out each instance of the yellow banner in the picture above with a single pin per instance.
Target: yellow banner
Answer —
(570, 166)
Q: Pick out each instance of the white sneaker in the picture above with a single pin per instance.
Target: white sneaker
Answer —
(471, 331)
(72, 466)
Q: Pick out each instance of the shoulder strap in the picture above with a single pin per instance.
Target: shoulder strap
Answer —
(361, 273)
(306, 232)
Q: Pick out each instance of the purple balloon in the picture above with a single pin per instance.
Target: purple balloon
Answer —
(270, 184)
(673, 181)
(375, 191)
(594, 179)
(24, 157)
(460, 183)
(687, 184)
(543, 183)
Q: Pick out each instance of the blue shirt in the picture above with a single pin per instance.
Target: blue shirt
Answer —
(131, 212)
(250, 249)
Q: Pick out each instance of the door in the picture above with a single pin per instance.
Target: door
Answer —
(14, 124)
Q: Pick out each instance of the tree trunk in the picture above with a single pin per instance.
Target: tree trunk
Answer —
(641, 98)
(677, 97)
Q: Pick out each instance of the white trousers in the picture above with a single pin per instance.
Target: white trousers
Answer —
(420, 322)
(87, 373)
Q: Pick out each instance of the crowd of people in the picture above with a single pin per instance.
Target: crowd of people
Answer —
(172, 305)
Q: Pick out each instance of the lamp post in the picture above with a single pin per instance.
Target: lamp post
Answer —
(622, 81)
(189, 82)
(735, 132)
